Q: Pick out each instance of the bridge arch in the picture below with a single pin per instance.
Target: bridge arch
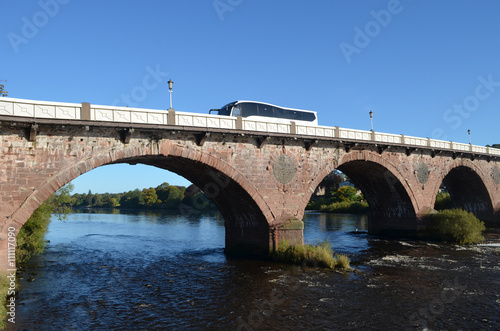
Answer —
(247, 215)
(467, 185)
(392, 201)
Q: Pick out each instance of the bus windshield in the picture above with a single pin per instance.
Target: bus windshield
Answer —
(226, 110)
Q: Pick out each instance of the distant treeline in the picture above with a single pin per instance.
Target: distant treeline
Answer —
(164, 196)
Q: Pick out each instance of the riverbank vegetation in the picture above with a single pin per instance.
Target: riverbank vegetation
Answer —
(443, 201)
(320, 255)
(30, 239)
(162, 197)
(455, 226)
(346, 199)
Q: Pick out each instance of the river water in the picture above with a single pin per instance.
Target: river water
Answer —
(168, 272)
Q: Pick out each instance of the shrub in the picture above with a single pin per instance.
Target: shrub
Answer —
(455, 226)
(319, 255)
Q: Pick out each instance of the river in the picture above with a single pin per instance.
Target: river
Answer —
(168, 272)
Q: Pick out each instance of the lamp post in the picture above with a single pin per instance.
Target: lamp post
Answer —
(470, 143)
(170, 85)
(371, 119)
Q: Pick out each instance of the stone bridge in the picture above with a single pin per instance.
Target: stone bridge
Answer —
(260, 175)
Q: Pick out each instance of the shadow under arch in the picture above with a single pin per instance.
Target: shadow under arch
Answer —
(468, 192)
(247, 228)
(248, 218)
(391, 206)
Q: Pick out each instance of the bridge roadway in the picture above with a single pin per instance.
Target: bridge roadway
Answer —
(260, 175)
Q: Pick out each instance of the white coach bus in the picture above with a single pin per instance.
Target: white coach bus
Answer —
(265, 112)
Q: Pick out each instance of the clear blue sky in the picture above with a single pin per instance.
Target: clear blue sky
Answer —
(426, 68)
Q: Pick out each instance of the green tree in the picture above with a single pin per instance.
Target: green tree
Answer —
(150, 197)
(171, 196)
(346, 194)
(110, 202)
(88, 199)
(79, 200)
(163, 191)
(97, 200)
(3, 93)
(175, 196)
(331, 183)
(132, 199)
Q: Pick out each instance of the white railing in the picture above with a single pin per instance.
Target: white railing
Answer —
(127, 115)
(206, 121)
(355, 134)
(39, 109)
(73, 111)
(318, 131)
(440, 144)
(415, 141)
(265, 126)
(388, 138)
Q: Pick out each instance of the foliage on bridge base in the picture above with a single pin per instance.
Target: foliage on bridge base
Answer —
(30, 239)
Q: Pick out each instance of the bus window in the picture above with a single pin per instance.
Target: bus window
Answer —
(308, 117)
(265, 110)
(295, 115)
(279, 113)
(248, 109)
(237, 110)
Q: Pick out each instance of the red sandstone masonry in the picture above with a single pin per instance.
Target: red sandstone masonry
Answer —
(31, 172)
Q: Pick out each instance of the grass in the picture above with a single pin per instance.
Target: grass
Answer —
(320, 255)
(343, 261)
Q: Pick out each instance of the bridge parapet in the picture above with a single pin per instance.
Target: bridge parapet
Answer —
(12, 107)
(39, 109)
